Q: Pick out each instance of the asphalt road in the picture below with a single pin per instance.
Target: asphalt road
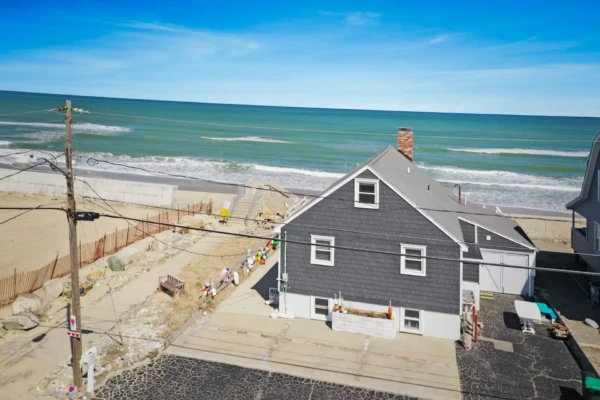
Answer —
(173, 377)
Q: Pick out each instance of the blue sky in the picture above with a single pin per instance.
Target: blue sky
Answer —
(524, 57)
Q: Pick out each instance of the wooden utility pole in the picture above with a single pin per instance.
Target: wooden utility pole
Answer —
(75, 304)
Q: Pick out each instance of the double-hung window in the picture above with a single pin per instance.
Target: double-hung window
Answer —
(366, 193)
(321, 250)
(412, 261)
(411, 321)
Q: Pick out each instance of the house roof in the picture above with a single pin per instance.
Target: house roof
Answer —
(592, 161)
(430, 197)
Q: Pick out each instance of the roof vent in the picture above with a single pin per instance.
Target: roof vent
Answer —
(408, 170)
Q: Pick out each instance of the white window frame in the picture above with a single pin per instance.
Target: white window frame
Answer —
(403, 269)
(313, 250)
(313, 314)
(403, 328)
(357, 203)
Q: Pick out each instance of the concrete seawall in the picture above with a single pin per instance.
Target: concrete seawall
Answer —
(557, 228)
(54, 184)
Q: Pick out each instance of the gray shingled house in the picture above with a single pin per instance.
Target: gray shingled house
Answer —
(587, 204)
(390, 205)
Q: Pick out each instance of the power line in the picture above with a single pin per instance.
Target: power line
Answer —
(331, 131)
(25, 112)
(138, 229)
(357, 249)
(23, 213)
(94, 161)
(20, 171)
(120, 216)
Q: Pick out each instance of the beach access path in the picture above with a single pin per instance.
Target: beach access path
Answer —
(27, 359)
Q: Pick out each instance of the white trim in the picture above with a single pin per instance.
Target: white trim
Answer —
(461, 284)
(403, 269)
(497, 233)
(313, 314)
(402, 320)
(357, 203)
(313, 250)
(476, 234)
(352, 176)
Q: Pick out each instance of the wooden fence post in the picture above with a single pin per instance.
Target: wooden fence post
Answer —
(159, 225)
(147, 227)
(188, 208)
(127, 237)
(178, 212)
(116, 240)
(54, 267)
(103, 245)
(15, 296)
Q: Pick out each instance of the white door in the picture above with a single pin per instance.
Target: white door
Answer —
(504, 279)
(515, 280)
(490, 277)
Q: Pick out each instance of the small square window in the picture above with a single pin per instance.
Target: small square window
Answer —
(366, 193)
(320, 308)
(322, 251)
(412, 261)
(411, 321)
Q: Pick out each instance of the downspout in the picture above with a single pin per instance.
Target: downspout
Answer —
(285, 270)
(459, 193)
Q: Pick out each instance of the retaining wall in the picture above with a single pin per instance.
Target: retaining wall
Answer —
(150, 194)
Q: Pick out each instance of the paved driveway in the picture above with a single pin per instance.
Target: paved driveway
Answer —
(509, 364)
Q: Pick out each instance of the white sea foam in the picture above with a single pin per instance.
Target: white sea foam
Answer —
(81, 127)
(504, 179)
(534, 152)
(246, 139)
(4, 143)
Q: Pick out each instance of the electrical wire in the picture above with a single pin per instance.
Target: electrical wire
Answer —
(331, 131)
(23, 213)
(21, 171)
(153, 236)
(25, 112)
(94, 161)
(357, 249)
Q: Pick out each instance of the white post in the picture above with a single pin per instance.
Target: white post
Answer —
(89, 358)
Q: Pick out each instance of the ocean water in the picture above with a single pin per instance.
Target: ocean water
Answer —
(521, 161)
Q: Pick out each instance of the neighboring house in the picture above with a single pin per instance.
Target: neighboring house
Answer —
(587, 239)
(391, 206)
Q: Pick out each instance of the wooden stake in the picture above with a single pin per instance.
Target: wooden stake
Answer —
(15, 288)
(103, 245)
(127, 238)
(54, 266)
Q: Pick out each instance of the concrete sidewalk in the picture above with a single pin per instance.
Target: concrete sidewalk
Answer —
(241, 333)
(26, 360)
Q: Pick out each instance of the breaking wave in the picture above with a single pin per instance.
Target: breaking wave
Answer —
(84, 127)
(246, 139)
(503, 178)
(533, 152)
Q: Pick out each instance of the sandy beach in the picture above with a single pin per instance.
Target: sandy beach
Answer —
(35, 238)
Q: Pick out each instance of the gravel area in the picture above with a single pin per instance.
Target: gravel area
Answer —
(173, 377)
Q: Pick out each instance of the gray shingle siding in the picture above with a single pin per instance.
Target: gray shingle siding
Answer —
(471, 272)
(372, 277)
(497, 242)
(468, 231)
(590, 209)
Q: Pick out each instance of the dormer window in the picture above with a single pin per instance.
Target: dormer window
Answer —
(366, 193)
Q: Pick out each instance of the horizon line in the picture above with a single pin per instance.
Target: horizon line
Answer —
(303, 107)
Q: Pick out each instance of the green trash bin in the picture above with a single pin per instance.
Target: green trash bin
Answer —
(591, 387)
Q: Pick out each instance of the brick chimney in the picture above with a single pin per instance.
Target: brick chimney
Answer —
(405, 142)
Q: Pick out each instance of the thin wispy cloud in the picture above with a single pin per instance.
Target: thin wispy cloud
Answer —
(356, 18)
(439, 39)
